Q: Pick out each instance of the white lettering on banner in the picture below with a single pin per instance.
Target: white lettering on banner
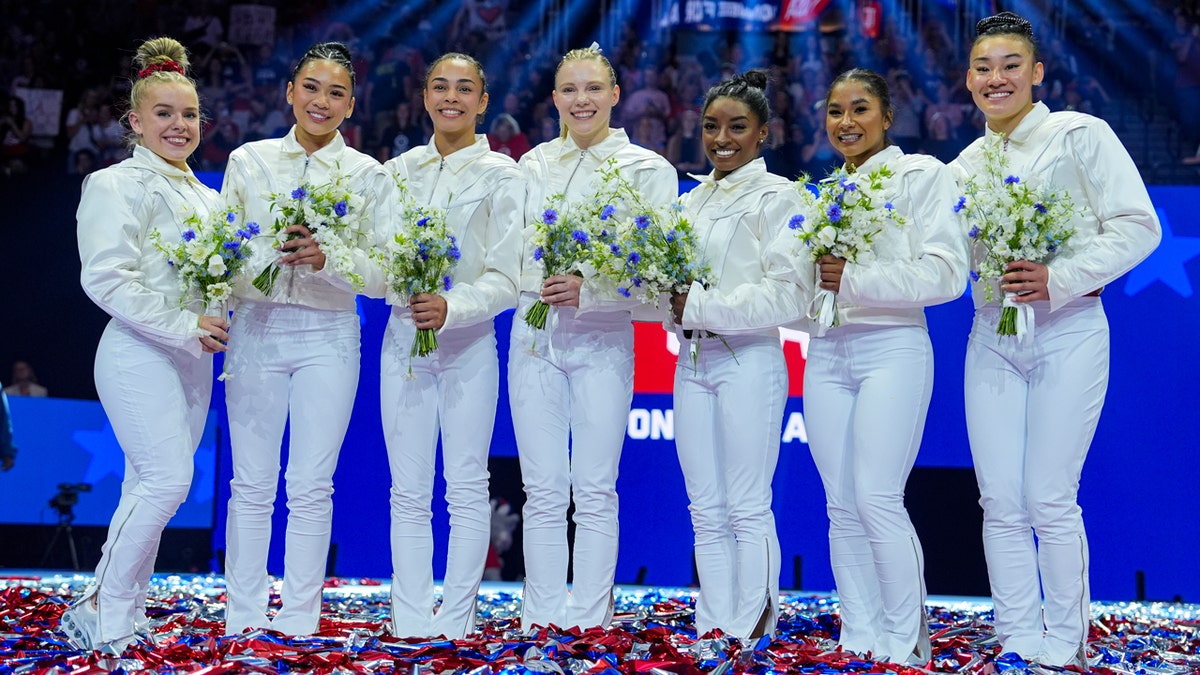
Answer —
(739, 10)
(802, 10)
(795, 430)
(656, 425)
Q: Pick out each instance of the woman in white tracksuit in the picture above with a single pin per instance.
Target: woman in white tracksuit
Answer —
(868, 381)
(454, 389)
(570, 397)
(294, 356)
(1033, 404)
(730, 392)
(153, 363)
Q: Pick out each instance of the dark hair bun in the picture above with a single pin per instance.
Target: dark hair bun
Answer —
(1004, 23)
(755, 78)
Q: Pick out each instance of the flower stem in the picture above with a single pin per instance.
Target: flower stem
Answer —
(1008, 321)
(536, 315)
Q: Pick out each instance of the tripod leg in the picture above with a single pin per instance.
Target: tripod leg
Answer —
(50, 547)
(71, 545)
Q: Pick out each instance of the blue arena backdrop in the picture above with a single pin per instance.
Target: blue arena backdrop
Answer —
(1136, 492)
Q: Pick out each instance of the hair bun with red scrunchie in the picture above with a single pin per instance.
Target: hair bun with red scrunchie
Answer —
(167, 66)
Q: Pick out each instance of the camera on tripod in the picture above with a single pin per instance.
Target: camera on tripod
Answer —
(68, 496)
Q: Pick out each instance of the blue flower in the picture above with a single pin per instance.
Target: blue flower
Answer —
(623, 291)
(960, 204)
(607, 212)
(537, 253)
(253, 228)
(796, 221)
(974, 233)
(847, 184)
(974, 275)
(1052, 248)
(835, 213)
(232, 245)
(1040, 207)
(341, 208)
(422, 221)
(637, 281)
(580, 236)
(671, 236)
(229, 217)
(1011, 180)
(616, 249)
(549, 216)
(299, 193)
(446, 283)
(642, 221)
(889, 206)
(634, 258)
(189, 235)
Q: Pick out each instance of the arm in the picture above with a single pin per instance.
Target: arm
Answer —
(496, 288)
(114, 221)
(769, 301)
(1116, 197)
(937, 271)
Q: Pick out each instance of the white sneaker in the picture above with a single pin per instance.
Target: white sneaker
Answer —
(81, 623)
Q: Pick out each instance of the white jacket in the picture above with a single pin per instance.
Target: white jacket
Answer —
(484, 197)
(920, 263)
(280, 165)
(738, 221)
(123, 272)
(1116, 227)
(561, 166)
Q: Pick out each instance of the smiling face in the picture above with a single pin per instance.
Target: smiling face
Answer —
(585, 96)
(321, 97)
(732, 135)
(167, 121)
(454, 97)
(855, 122)
(1001, 78)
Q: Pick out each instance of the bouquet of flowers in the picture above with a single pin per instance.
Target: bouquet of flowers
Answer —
(574, 238)
(654, 252)
(419, 259)
(845, 214)
(1012, 219)
(334, 215)
(209, 254)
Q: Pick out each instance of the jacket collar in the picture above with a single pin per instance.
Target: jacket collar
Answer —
(146, 158)
(1028, 123)
(751, 170)
(880, 158)
(455, 161)
(327, 155)
(616, 139)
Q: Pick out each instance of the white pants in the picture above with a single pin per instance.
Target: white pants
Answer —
(1032, 411)
(728, 420)
(575, 387)
(866, 394)
(454, 391)
(156, 398)
(295, 365)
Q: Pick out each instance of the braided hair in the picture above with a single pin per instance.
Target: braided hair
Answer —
(749, 88)
(1010, 25)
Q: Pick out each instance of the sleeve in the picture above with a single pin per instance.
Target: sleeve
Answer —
(1116, 196)
(772, 300)
(936, 271)
(375, 189)
(113, 220)
(496, 288)
(659, 183)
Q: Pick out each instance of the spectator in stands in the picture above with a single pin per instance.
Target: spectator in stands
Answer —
(505, 137)
(24, 381)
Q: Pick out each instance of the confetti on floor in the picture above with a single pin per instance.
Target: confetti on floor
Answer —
(652, 634)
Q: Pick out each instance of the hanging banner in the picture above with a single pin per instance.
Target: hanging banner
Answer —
(870, 18)
(744, 15)
(797, 13)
